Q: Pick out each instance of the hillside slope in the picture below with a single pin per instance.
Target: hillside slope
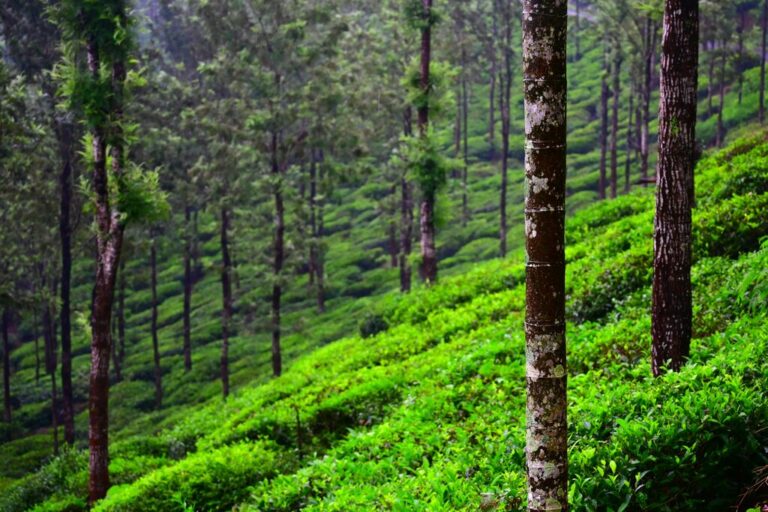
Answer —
(427, 412)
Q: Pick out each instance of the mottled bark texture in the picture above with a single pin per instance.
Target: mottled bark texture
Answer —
(544, 72)
(427, 208)
(671, 322)
(109, 241)
(155, 341)
(226, 298)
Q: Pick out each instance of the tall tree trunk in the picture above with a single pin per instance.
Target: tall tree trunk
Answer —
(121, 312)
(37, 360)
(721, 106)
(617, 59)
(649, 60)
(429, 197)
(65, 234)
(505, 83)
(115, 350)
(188, 284)
(671, 322)
(155, 341)
(710, 81)
(604, 91)
(49, 336)
(577, 31)
(226, 295)
(7, 409)
(740, 57)
(492, 109)
(279, 259)
(628, 153)
(320, 262)
(406, 214)
(465, 144)
(763, 44)
(313, 217)
(109, 240)
(544, 59)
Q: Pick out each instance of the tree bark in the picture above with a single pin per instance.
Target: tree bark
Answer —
(671, 321)
(505, 83)
(7, 409)
(763, 44)
(109, 240)
(544, 60)
(616, 93)
(155, 341)
(429, 197)
(406, 215)
(604, 91)
(188, 284)
(226, 295)
(279, 258)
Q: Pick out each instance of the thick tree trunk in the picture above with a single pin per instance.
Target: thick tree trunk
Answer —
(65, 234)
(671, 322)
(763, 44)
(188, 284)
(427, 208)
(226, 296)
(278, 261)
(7, 409)
(109, 244)
(721, 106)
(406, 215)
(544, 59)
(616, 93)
(155, 341)
(628, 152)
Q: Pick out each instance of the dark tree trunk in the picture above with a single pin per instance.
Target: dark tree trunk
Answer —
(671, 322)
(226, 296)
(604, 92)
(465, 144)
(721, 106)
(763, 44)
(740, 57)
(429, 197)
(319, 256)
(49, 336)
(392, 242)
(710, 81)
(406, 216)
(65, 234)
(121, 312)
(628, 152)
(155, 341)
(492, 109)
(544, 58)
(37, 360)
(115, 350)
(650, 58)
(505, 85)
(279, 259)
(7, 409)
(577, 31)
(109, 244)
(616, 92)
(313, 218)
(188, 284)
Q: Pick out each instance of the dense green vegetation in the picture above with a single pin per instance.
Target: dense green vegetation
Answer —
(428, 412)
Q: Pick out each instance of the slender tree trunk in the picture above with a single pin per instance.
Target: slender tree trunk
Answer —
(628, 155)
(505, 83)
(650, 64)
(109, 244)
(406, 215)
(429, 197)
(577, 31)
(54, 415)
(615, 120)
(115, 354)
(37, 360)
(492, 109)
(65, 234)
(392, 242)
(279, 259)
(721, 106)
(710, 82)
(313, 217)
(49, 336)
(320, 266)
(7, 409)
(465, 171)
(740, 57)
(603, 126)
(155, 341)
(226, 295)
(763, 44)
(672, 314)
(544, 59)
(121, 312)
(188, 284)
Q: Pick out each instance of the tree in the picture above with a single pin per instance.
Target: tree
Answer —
(544, 75)
(153, 327)
(7, 408)
(763, 43)
(672, 314)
